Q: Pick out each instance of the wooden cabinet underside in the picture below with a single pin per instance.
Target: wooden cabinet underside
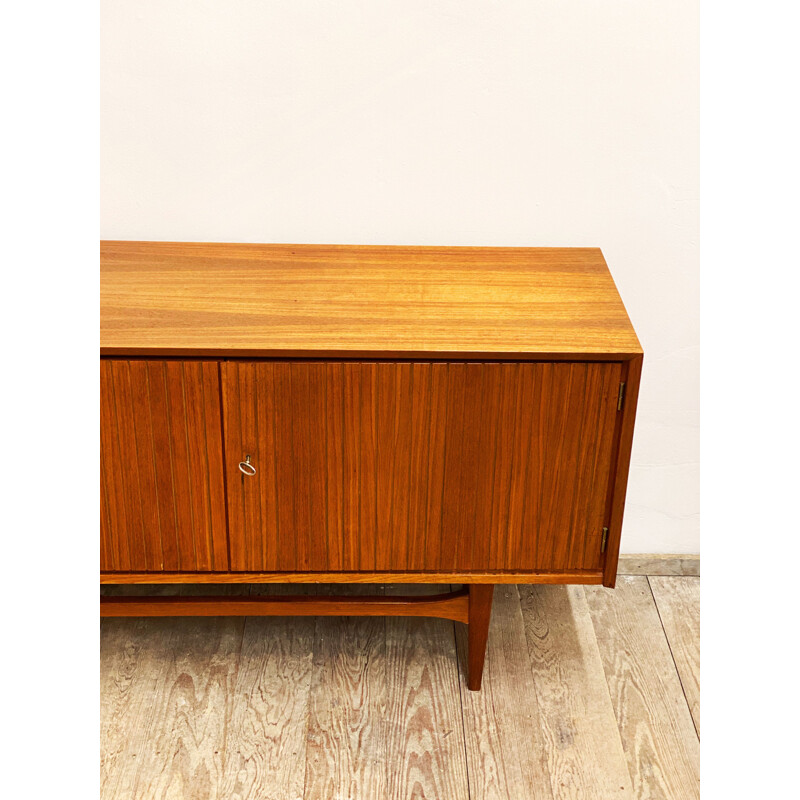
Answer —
(385, 471)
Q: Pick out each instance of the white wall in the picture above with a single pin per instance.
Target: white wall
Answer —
(554, 122)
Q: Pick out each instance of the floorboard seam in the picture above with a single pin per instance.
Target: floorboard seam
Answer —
(461, 708)
(310, 699)
(614, 711)
(669, 645)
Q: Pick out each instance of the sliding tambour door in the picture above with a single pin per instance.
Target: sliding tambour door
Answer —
(162, 494)
(376, 466)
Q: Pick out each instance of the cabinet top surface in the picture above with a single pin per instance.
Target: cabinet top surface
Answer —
(273, 300)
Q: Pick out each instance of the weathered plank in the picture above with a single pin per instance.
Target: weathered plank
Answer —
(345, 755)
(661, 745)
(131, 663)
(424, 732)
(504, 746)
(657, 564)
(183, 755)
(265, 749)
(678, 603)
(579, 731)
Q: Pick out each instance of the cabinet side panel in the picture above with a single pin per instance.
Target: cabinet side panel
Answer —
(632, 377)
(595, 465)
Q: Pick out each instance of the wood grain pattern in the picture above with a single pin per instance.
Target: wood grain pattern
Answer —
(623, 444)
(658, 564)
(458, 606)
(584, 755)
(348, 722)
(535, 487)
(511, 576)
(506, 756)
(169, 298)
(424, 733)
(480, 612)
(661, 744)
(678, 604)
(265, 752)
(346, 752)
(184, 752)
(131, 663)
(162, 484)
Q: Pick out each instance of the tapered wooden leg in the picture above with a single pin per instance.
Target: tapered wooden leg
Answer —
(480, 611)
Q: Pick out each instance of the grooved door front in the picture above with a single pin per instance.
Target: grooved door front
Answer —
(162, 494)
(431, 466)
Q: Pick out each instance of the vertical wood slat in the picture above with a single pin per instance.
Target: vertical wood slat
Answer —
(334, 465)
(402, 466)
(501, 483)
(418, 464)
(179, 450)
(162, 498)
(125, 462)
(351, 472)
(216, 533)
(163, 465)
(114, 551)
(142, 418)
(368, 486)
(519, 490)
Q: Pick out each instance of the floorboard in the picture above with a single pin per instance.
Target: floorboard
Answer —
(265, 751)
(346, 744)
(424, 732)
(579, 730)
(184, 752)
(587, 693)
(506, 755)
(132, 659)
(678, 604)
(656, 729)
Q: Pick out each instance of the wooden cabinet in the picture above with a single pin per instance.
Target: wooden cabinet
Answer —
(301, 413)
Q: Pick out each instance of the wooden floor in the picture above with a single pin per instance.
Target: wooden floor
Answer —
(587, 693)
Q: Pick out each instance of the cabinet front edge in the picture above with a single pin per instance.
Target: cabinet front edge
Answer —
(578, 576)
(356, 355)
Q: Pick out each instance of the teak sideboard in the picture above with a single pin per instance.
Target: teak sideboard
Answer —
(305, 413)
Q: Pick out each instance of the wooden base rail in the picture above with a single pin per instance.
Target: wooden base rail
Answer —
(453, 605)
(471, 605)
